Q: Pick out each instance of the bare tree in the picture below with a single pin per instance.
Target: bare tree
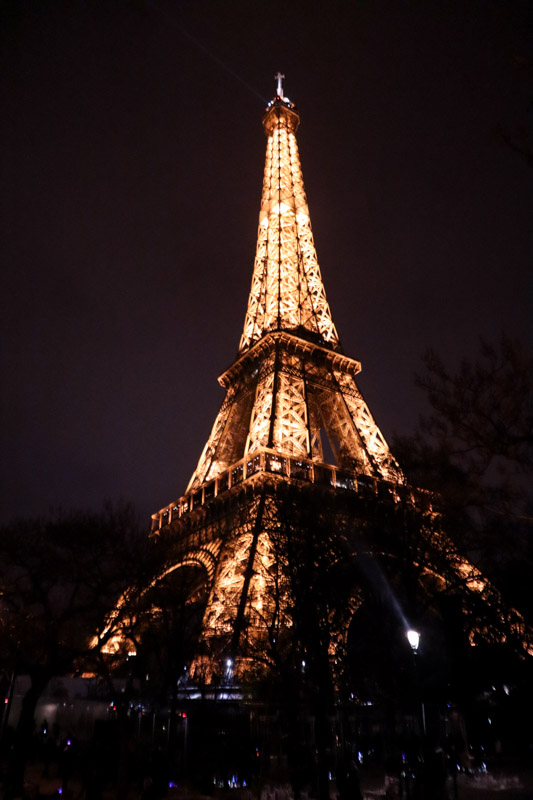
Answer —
(474, 450)
(59, 580)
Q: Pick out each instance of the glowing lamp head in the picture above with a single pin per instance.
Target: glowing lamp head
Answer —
(413, 637)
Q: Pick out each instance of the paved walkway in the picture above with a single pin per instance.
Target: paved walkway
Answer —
(508, 785)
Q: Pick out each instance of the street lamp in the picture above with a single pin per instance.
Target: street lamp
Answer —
(229, 670)
(413, 637)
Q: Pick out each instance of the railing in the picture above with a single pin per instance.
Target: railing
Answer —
(271, 462)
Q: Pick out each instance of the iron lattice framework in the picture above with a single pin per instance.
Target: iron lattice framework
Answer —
(291, 388)
(292, 411)
(287, 291)
(292, 417)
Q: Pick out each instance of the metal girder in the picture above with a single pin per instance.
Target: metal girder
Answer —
(375, 445)
(287, 292)
(284, 402)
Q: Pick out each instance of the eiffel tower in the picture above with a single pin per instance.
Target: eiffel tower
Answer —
(292, 416)
(292, 411)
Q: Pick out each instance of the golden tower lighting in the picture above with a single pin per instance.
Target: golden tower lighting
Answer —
(292, 416)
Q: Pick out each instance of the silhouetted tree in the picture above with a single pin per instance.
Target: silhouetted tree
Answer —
(474, 451)
(59, 580)
(351, 572)
(166, 639)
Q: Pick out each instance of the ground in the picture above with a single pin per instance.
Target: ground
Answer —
(510, 782)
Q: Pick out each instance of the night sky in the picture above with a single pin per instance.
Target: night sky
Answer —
(131, 171)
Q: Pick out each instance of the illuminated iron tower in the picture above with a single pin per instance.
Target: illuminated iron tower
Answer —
(292, 413)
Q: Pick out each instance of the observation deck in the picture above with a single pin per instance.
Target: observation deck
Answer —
(297, 470)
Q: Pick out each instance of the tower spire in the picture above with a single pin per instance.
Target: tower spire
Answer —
(287, 292)
(279, 77)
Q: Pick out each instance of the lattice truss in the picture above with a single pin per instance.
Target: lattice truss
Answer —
(293, 405)
(287, 292)
(279, 418)
(246, 546)
(375, 445)
(248, 536)
(227, 588)
(256, 542)
(247, 539)
(281, 401)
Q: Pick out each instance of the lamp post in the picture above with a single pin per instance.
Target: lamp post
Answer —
(413, 637)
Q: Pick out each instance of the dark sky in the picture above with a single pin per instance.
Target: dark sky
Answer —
(131, 171)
